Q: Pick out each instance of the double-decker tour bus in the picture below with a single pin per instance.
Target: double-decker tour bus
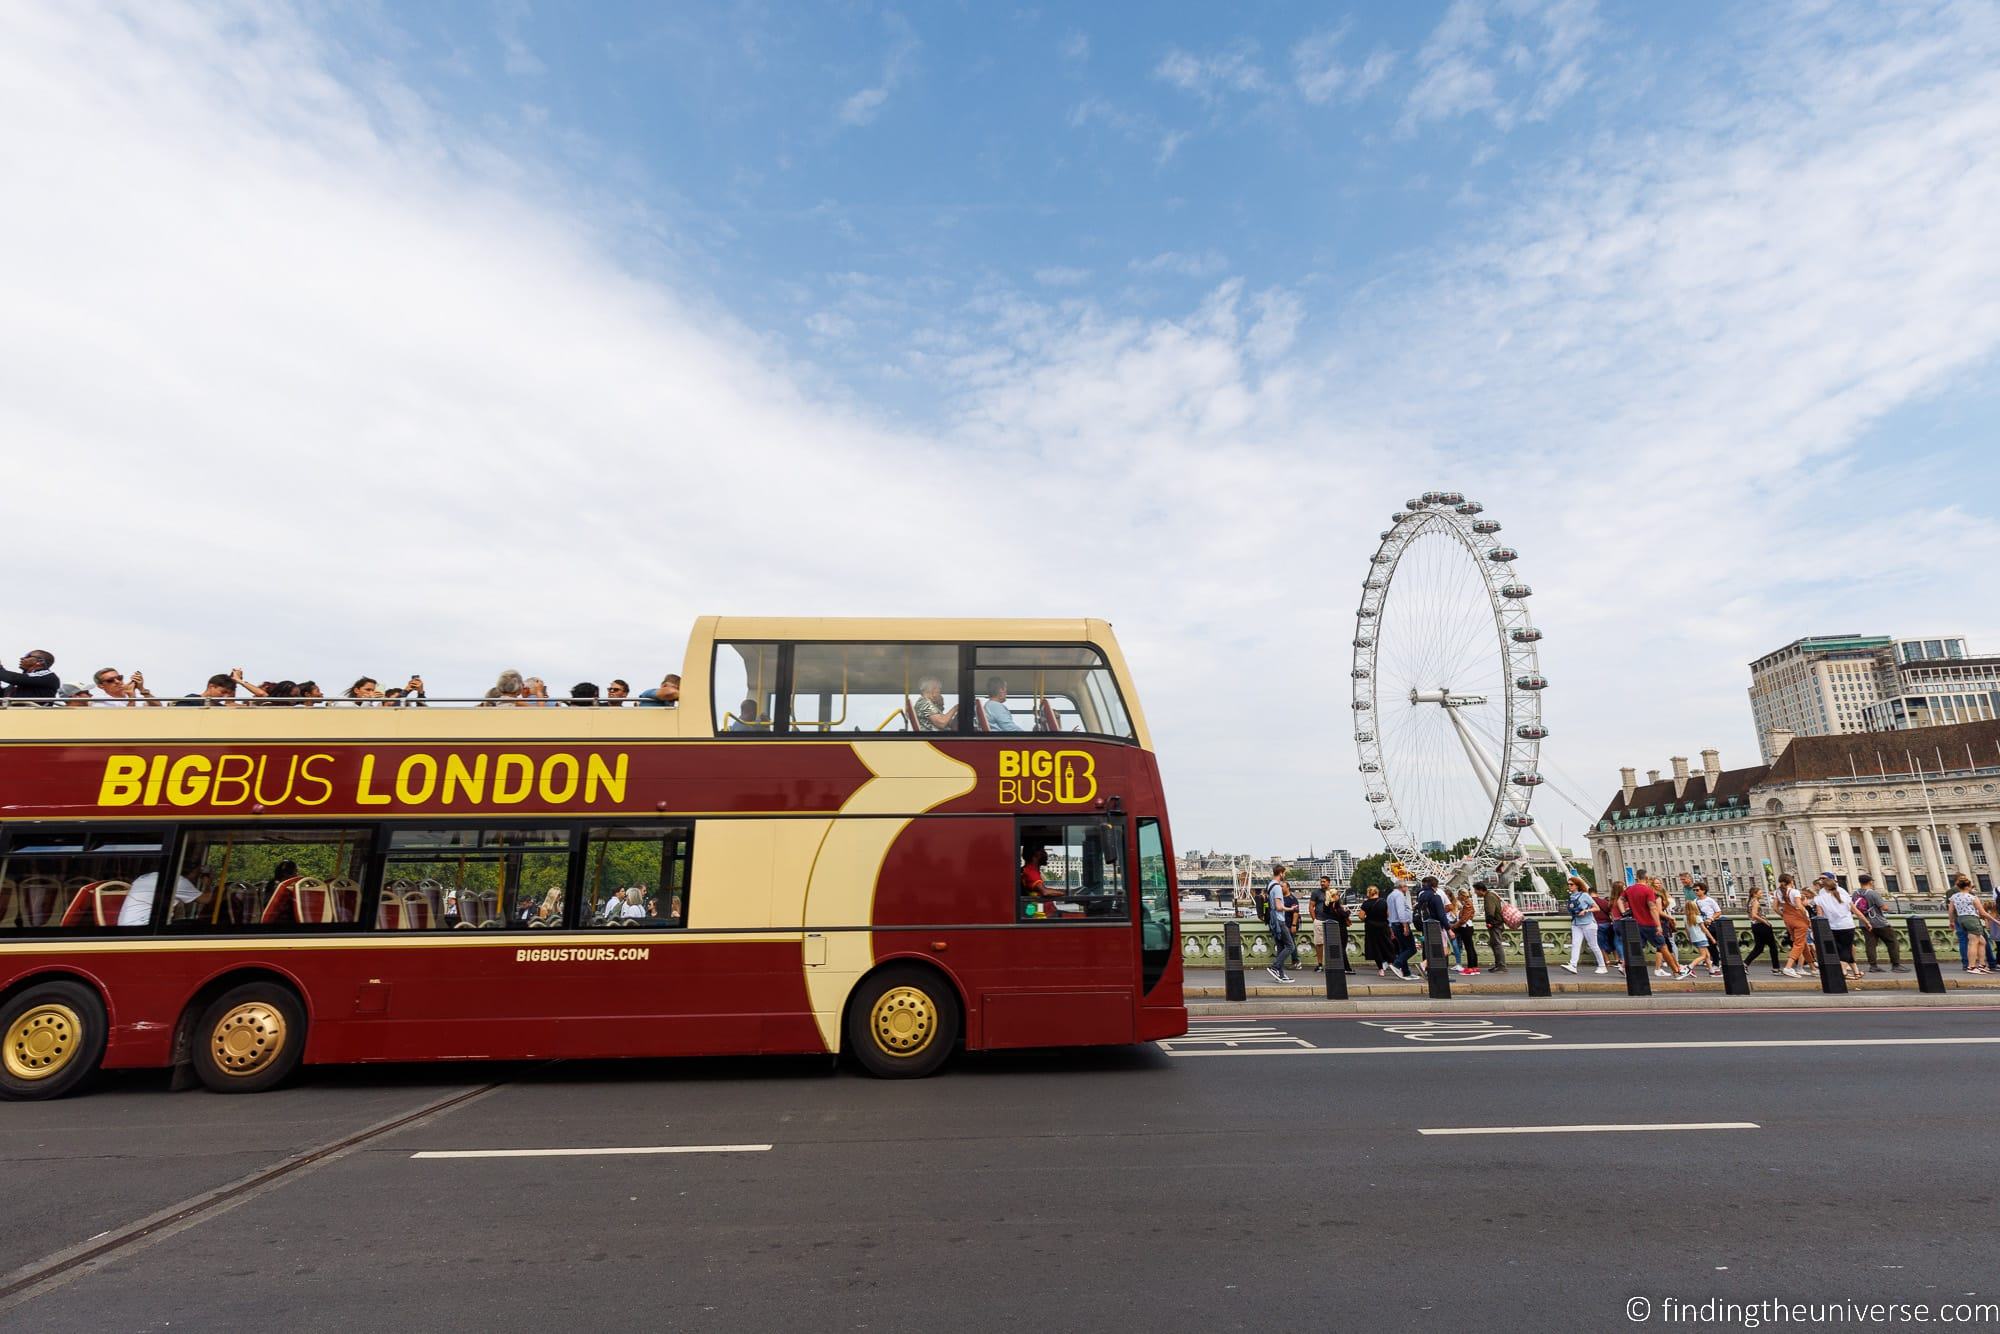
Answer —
(880, 837)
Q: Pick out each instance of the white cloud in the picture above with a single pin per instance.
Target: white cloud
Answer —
(1075, 48)
(1539, 65)
(1199, 264)
(862, 106)
(1059, 276)
(1233, 70)
(519, 59)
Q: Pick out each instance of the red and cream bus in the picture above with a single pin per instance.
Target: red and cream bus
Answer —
(881, 837)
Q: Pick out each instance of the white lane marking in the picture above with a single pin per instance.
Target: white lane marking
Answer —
(1589, 1130)
(1246, 1036)
(1601, 1046)
(591, 1153)
(1453, 1030)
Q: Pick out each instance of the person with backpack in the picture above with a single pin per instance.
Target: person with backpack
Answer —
(1582, 907)
(1403, 940)
(1495, 909)
(1764, 940)
(1433, 906)
(1875, 928)
(1281, 911)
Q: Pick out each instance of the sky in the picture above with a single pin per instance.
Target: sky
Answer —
(350, 338)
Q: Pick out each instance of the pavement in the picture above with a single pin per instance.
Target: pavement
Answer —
(1272, 1168)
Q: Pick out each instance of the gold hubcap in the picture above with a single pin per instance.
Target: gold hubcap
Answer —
(905, 1021)
(42, 1041)
(248, 1038)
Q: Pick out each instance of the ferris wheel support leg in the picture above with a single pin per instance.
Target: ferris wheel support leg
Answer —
(1491, 782)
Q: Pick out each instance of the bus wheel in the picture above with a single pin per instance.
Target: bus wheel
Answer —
(54, 1037)
(902, 1023)
(249, 1038)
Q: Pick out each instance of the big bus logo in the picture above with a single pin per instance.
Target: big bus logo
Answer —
(1047, 777)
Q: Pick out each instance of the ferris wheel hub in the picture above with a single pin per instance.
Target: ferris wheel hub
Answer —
(1446, 698)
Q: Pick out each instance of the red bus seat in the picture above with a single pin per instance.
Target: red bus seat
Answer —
(312, 899)
(1047, 713)
(80, 904)
(417, 913)
(389, 915)
(909, 714)
(9, 899)
(280, 906)
(38, 896)
(346, 900)
(979, 723)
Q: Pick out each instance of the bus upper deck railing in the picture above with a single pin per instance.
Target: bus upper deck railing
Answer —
(330, 701)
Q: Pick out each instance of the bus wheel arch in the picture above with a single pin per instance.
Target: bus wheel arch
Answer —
(903, 1019)
(243, 1031)
(54, 1027)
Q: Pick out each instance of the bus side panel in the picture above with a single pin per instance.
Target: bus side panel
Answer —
(143, 992)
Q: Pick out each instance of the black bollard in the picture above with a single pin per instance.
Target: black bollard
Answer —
(1334, 955)
(1232, 962)
(1729, 957)
(1923, 957)
(1437, 973)
(1832, 981)
(1637, 981)
(1532, 959)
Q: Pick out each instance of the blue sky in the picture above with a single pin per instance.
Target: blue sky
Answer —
(467, 336)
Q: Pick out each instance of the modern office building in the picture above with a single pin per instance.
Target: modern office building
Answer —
(1910, 807)
(1832, 685)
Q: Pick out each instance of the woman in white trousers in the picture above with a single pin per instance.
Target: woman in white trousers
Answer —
(1582, 924)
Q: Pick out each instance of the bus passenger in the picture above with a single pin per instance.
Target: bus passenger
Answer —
(747, 719)
(667, 694)
(999, 718)
(635, 903)
(36, 679)
(616, 692)
(507, 690)
(137, 910)
(552, 906)
(932, 715)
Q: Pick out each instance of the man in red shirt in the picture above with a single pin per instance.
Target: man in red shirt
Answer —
(1643, 898)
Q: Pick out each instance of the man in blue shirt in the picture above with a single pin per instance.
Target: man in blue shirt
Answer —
(1401, 939)
(999, 718)
(1283, 907)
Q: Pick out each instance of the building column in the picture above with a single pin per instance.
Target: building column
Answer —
(1899, 853)
(1870, 858)
(1992, 861)
(1961, 852)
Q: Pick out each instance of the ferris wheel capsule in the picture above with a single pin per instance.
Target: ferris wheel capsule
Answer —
(1519, 820)
(1435, 498)
(1360, 705)
(1400, 516)
(1363, 738)
(1378, 796)
(1527, 634)
(1361, 673)
(1385, 825)
(1526, 780)
(1531, 731)
(1515, 592)
(1532, 682)
(1370, 767)
(1453, 498)
(1363, 641)
(1468, 507)
(1486, 527)
(1418, 504)
(1503, 555)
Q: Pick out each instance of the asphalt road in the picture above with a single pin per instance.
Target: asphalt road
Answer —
(1269, 1173)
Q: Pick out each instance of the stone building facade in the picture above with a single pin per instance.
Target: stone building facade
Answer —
(1911, 807)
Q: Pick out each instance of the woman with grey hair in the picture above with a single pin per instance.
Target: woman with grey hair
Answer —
(932, 715)
(507, 690)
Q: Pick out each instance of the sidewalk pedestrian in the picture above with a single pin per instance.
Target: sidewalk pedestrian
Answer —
(1766, 940)
(1495, 910)
(1875, 929)
(1433, 908)
(1402, 932)
(1463, 910)
(1969, 916)
(1837, 906)
(1375, 931)
(1583, 924)
(1282, 910)
(1711, 916)
(1650, 912)
(1609, 912)
(1698, 940)
(1798, 930)
(1331, 911)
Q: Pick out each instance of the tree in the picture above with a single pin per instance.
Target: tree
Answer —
(1460, 848)
(1372, 871)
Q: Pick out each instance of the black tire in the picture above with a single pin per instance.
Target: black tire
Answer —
(249, 1038)
(54, 1035)
(902, 1023)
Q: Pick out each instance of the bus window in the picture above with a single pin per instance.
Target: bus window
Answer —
(746, 688)
(874, 688)
(262, 879)
(80, 880)
(1071, 872)
(636, 875)
(435, 879)
(1059, 688)
(1156, 908)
